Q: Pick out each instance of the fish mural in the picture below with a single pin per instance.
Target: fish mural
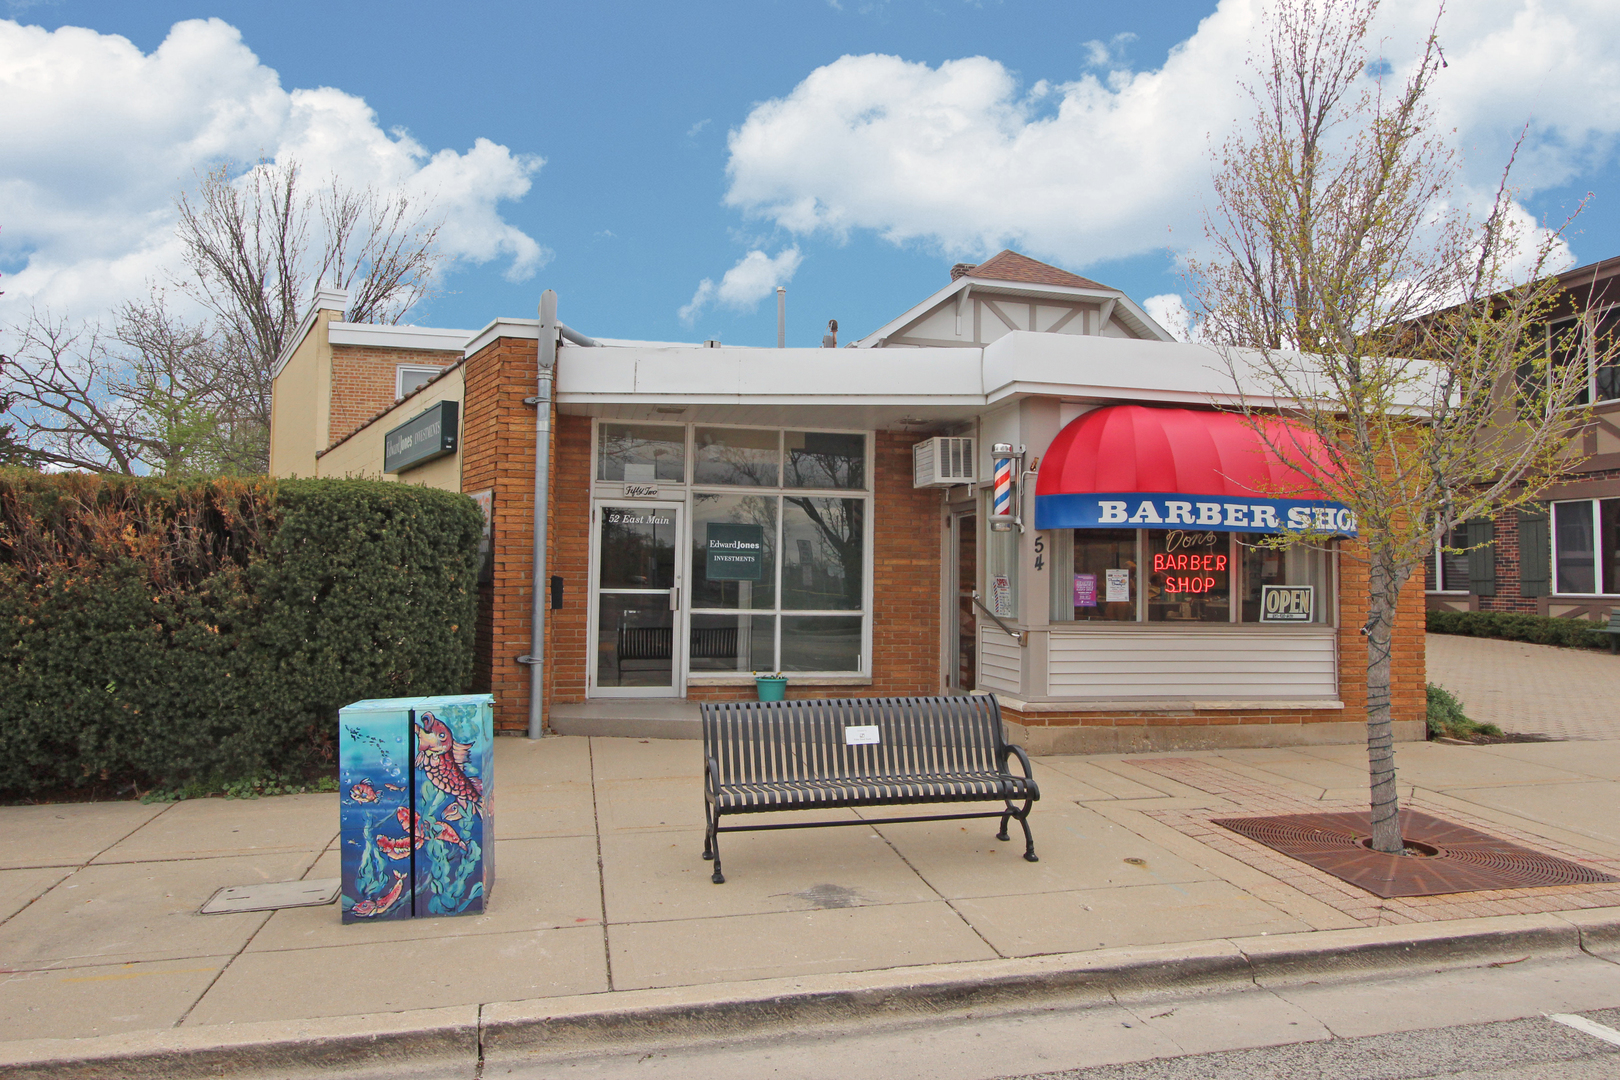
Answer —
(369, 908)
(417, 820)
(441, 758)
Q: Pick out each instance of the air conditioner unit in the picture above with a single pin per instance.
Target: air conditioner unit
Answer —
(941, 462)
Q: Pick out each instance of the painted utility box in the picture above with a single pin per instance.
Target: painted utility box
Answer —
(416, 817)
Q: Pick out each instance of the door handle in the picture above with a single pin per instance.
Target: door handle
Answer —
(675, 598)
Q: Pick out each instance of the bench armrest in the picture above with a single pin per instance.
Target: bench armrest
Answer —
(711, 779)
(1029, 770)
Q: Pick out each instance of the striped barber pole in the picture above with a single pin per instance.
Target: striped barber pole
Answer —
(1002, 506)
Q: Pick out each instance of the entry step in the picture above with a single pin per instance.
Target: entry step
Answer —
(630, 718)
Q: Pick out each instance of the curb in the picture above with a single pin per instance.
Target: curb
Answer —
(396, 1044)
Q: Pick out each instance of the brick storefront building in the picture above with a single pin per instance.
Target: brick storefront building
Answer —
(712, 512)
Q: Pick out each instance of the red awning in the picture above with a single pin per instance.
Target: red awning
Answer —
(1132, 448)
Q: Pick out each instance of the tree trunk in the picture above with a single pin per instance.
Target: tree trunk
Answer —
(1382, 593)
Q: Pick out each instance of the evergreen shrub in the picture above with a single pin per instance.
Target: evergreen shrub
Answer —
(1516, 626)
(163, 633)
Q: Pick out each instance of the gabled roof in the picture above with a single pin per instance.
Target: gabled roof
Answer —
(1009, 265)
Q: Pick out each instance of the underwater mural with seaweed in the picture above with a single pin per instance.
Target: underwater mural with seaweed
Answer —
(416, 830)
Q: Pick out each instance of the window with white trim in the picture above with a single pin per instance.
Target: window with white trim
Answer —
(409, 378)
(1586, 547)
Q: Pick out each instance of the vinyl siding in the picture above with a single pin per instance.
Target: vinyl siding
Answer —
(1196, 662)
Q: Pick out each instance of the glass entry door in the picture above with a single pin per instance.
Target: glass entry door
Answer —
(640, 651)
(965, 539)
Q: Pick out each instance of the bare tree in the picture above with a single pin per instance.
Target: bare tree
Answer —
(257, 244)
(1336, 252)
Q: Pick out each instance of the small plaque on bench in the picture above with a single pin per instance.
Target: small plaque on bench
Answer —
(861, 735)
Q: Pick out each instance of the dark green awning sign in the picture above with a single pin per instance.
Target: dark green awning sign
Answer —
(734, 552)
(421, 438)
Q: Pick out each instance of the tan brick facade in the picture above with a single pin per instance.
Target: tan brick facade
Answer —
(364, 381)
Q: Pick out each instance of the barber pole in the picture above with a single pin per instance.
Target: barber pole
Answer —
(1001, 503)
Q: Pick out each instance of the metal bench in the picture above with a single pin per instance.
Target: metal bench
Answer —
(761, 756)
(1613, 630)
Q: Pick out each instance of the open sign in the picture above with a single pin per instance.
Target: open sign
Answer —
(1287, 603)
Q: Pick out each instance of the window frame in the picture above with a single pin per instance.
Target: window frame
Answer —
(1553, 558)
(400, 371)
(687, 488)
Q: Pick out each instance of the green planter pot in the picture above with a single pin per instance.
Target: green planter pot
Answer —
(771, 688)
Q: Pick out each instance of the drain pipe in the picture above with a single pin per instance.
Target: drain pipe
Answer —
(542, 492)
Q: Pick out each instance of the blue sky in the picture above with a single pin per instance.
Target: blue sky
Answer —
(1079, 138)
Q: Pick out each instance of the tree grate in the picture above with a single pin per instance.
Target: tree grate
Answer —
(1466, 860)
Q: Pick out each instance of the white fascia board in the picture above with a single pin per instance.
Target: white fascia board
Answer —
(384, 336)
(322, 300)
(499, 328)
(1131, 314)
(1123, 367)
(698, 375)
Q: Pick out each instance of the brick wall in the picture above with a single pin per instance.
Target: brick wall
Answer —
(570, 557)
(498, 454)
(363, 382)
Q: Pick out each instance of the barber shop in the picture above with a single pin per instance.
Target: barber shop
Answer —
(1022, 486)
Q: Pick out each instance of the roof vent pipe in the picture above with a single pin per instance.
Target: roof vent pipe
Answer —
(781, 317)
(829, 340)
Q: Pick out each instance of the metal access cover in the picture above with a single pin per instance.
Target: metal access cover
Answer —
(271, 895)
(1459, 859)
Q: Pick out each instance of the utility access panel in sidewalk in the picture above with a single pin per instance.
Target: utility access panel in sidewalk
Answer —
(416, 811)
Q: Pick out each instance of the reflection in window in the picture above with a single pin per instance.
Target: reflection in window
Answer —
(1189, 576)
(1564, 349)
(1453, 575)
(823, 541)
(725, 530)
(1609, 535)
(821, 459)
(1295, 565)
(638, 548)
(1573, 547)
(741, 642)
(821, 642)
(641, 453)
(742, 456)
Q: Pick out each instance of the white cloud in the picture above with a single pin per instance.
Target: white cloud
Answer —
(755, 277)
(1170, 311)
(959, 157)
(100, 137)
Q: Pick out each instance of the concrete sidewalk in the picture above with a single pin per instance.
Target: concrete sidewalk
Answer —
(1530, 689)
(602, 902)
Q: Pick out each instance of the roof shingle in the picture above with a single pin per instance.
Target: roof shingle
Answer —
(1011, 266)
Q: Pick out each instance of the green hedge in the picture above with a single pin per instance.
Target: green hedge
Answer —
(1515, 626)
(158, 633)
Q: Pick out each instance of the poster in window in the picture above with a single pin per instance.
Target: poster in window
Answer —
(1117, 584)
(1001, 596)
(1085, 590)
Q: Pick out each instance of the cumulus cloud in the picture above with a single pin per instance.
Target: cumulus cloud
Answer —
(962, 158)
(1170, 311)
(755, 277)
(100, 137)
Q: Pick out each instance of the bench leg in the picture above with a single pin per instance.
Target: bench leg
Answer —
(711, 843)
(1023, 820)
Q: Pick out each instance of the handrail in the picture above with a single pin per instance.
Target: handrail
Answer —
(1016, 635)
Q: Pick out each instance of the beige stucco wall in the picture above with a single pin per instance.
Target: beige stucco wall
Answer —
(361, 454)
(299, 403)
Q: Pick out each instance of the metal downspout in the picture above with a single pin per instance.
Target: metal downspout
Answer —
(542, 492)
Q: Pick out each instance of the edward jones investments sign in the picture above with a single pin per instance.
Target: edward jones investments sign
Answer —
(422, 438)
(734, 552)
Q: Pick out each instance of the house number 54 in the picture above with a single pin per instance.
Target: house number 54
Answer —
(1040, 553)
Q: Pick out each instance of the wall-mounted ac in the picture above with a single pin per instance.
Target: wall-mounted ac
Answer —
(941, 462)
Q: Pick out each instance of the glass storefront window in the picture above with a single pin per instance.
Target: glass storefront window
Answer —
(823, 546)
(1297, 565)
(823, 459)
(1189, 576)
(736, 456)
(733, 551)
(821, 642)
(641, 453)
(1101, 585)
(1001, 573)
(741, 642)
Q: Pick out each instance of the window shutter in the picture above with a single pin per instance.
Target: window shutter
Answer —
(1481, 560)
(1535, 563)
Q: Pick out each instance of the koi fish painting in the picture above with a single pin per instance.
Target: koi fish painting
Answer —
(417, 812)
